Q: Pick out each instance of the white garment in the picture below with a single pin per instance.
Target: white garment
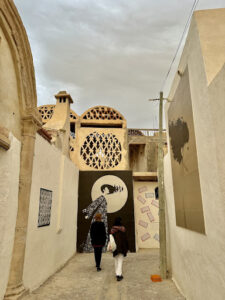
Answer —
(118, 264)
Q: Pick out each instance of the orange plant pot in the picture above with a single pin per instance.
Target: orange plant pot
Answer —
(156, 278)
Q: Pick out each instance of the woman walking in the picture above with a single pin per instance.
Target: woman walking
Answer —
(98, 238)
(99, 205)
(119, 233)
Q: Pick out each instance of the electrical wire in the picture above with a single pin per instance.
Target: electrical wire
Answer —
(185, 29)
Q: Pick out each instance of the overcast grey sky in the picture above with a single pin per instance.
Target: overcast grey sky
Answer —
(107, 52)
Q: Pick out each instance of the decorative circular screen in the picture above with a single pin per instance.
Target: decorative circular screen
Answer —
(101, 151)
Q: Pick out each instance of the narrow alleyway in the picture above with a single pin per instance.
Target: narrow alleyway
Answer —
(79, 280)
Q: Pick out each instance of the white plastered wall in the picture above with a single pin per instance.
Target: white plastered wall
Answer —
(197, 261)
(9, 186)
(48, 248)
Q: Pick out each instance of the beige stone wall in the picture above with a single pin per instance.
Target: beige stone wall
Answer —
(59, 124)
(217, 107)
(10, 106)
(19, 116)
(9, 186)
(146, 214)
(137, 158)
(49, 247)
(143, 156)
(197, 260)
(82, 133)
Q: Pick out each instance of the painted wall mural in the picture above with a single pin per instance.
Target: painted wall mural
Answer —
(146, 214)
(186, 183)
(45, 204)
(109, 193)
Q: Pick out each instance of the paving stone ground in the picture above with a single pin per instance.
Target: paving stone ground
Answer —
(79, 280)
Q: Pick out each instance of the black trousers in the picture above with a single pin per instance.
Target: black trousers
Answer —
(98, 255)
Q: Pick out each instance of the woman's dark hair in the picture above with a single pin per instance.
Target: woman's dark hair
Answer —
(117, 221)
(112, 188)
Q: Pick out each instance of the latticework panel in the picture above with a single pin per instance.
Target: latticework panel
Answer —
(101, 151)
(46, 112)
(72, 116)
(102, 113)
(72, 141)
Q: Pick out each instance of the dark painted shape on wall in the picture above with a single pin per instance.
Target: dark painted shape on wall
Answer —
(179, 136)
(184, 162)
(86, 181)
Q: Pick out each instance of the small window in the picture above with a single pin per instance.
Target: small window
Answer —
(72, 127)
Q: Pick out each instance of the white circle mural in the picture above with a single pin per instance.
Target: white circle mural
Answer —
(114, 190)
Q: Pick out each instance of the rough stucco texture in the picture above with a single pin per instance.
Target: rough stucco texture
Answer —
(137, 158)
(49, 247)
(197, 261)
(9, 112)
(212, 38)
(9, 185)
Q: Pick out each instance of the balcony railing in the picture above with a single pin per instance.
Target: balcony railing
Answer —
(144, 132)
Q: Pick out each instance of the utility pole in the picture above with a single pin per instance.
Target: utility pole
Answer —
(162, 218)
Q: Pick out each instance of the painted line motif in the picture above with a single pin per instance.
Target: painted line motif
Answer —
(149, 195)
(141, 199)
(145, 209)
(142, 189)
(145, 236)
(143, 223)
(155, 203)
(150, 216)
